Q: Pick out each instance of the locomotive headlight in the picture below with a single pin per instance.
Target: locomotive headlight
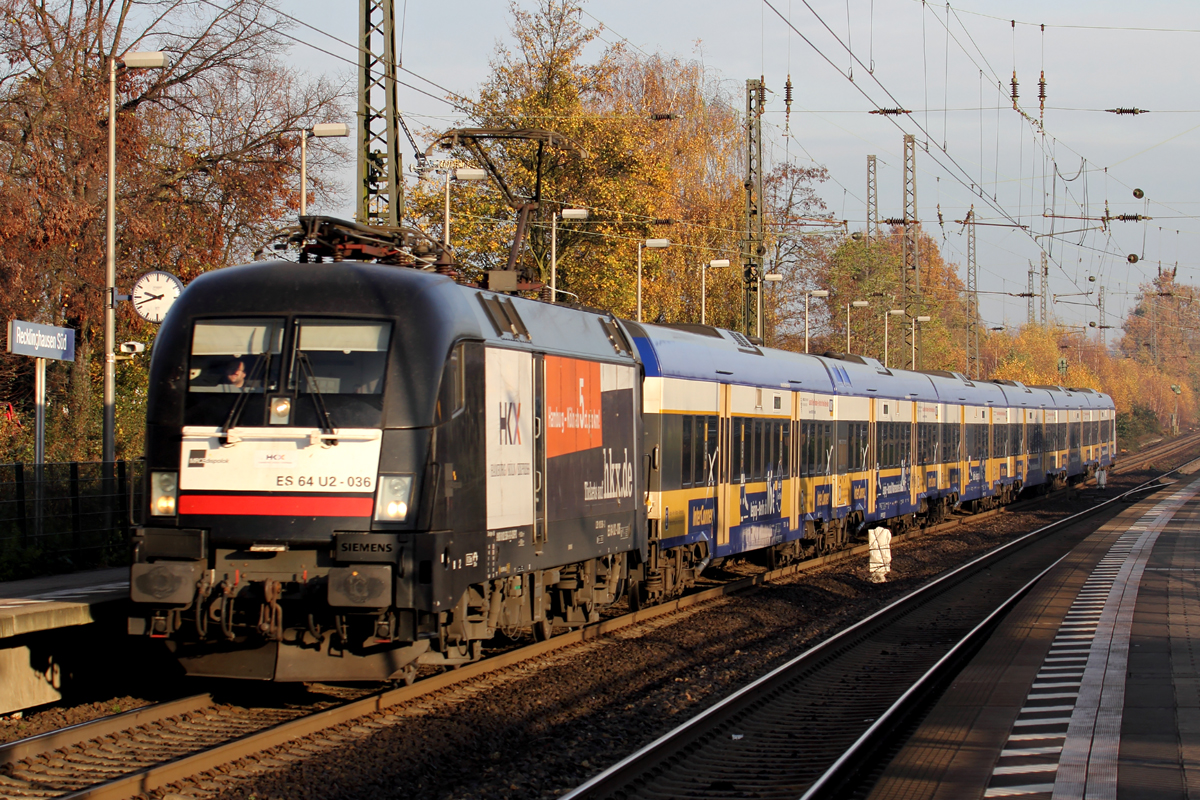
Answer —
(392, 498)
(281, 410)
(164, 489)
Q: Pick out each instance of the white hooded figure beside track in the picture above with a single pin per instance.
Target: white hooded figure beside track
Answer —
(879, 541)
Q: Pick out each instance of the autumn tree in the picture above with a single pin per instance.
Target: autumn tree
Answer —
(659, 155)
(851, 269)
(207, 162)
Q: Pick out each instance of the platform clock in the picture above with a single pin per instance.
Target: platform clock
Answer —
(154, 293)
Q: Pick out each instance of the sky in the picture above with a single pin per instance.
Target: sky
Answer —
(951, 67)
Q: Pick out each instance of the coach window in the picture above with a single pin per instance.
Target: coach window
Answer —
(738, 453)
(785, 450)
(800, 447)
(843, 447)
(760, 454)
(687, 451)
(777, 449)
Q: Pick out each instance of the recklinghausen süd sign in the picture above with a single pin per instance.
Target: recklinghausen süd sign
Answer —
(41, 341)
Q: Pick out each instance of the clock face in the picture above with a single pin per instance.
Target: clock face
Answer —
(154, 293)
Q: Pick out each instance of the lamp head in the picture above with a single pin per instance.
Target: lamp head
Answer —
(924, 319)
(718, 263)
(330, 129)
(819, 293)
(860, 304)
(155, 60)
(773, 277)
(573, 213)
(469, 174)
(657, 244)
(895, 312)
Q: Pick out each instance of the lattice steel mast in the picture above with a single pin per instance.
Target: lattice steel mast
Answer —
(910, 264)
(872, 201)
(1045, 290)
(752, 246)
(380, 169)
(1031, 315)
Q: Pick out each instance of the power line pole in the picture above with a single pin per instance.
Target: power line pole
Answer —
(1045, 290)
(380, 176)
(972, 300)
(872, 201)
(910, 262)
(752, 246)
(1030, 317)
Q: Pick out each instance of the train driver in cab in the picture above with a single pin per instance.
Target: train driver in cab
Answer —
(235, 376)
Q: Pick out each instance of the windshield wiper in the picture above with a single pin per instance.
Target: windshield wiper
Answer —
(239, 405)
(315, 393)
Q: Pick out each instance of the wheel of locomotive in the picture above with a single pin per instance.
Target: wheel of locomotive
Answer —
(543, 630)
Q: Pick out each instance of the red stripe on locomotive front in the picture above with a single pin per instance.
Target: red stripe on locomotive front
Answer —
(275, 506)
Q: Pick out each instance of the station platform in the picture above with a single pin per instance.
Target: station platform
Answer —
(1090, 687)
(58, 601)
(46, 625)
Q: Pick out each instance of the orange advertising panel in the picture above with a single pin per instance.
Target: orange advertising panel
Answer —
(573, 413)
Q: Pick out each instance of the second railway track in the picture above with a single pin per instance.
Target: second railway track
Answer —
(801, 728)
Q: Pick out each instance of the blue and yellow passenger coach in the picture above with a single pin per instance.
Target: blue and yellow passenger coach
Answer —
(754, 450)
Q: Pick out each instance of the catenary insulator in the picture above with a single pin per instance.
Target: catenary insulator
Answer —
(787, 102)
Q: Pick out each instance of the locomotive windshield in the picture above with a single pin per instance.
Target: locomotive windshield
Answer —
(339, 364)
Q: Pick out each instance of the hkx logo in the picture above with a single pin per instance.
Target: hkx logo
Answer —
(510, 423)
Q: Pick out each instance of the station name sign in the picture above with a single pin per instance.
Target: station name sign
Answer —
(41, 341)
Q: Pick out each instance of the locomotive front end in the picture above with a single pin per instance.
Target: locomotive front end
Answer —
(292, 419)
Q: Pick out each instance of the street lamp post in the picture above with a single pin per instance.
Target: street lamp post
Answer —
(153, 60)
(915, 320)
(808, 294)
(322, 131)
(770, 277)
(460, 174)
(892, 312)
(716, 263)
(566, 213)
(653, 244)
(855, 304)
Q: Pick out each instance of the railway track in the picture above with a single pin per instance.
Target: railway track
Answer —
(152, 747)
(808, 727)
(1160, 452)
